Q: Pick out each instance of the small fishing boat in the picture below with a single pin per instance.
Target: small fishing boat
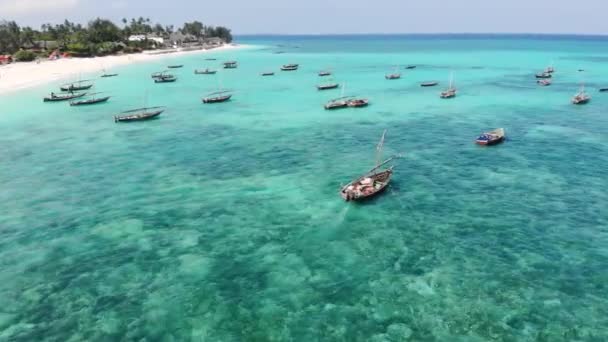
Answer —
(451, 91)
(77, 86)
(340, 102)
(324, 73)
(109, 75)
(357, 103)
(544, 82)
(139, 114)
(394, 76)
(217, 97)
(63, 97)
(491, 138)
(211, 59)
(373, 182)
(328, 86)
(205, 72)
(93, 99)
(543, 75)
(177, 66)
(581, 97)
(165, 78)
(268, 73)
(410, 67)
(230, 65)
(603, 90)
(289, 67)
(581, 70)
(429, 84)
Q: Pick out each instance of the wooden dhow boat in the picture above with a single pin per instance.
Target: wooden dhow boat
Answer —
(544, 82)
(164, 78)
(373, 182)
(357, 103)
(581, 97)
(139, 114)
(340, 102)
(217, 97)
(290, 67)
(77, 86)
(429, 84)
(205, 72)
(394, 76)
(492, 137)
(230, 65)
(327, 86)
(451, 91)
(544, 75)
(63, 97)
(93, 99)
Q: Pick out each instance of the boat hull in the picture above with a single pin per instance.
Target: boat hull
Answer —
(77, 88)
(90, 102)
(217, 99)
(142, 117)
(489, 142)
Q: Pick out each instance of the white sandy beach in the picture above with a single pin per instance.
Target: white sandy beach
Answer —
(17, 76)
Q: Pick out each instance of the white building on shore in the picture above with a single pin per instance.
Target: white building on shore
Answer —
(142, 37)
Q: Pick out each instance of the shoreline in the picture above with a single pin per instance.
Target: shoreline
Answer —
(22, 75)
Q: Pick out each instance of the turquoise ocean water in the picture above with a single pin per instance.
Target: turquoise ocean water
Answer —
(223, 222)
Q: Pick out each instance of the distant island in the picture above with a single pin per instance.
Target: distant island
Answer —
(102, 37)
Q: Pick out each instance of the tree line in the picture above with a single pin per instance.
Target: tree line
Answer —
(99, 37)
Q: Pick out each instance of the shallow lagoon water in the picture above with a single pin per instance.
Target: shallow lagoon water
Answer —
(223, 222)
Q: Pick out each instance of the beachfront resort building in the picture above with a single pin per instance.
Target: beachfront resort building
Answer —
(159, 41)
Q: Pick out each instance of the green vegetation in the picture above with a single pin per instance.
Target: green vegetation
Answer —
(24, 56)
(99, 37)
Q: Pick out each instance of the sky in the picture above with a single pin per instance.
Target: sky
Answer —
(332, 16)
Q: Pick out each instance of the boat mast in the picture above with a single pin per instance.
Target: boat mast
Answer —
(451, 80)
(379, 149)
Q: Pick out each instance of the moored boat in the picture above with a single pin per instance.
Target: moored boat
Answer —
(341, 102)
(492, 137)
(77, 86)
(92, 99)
(543, 75)
(177, 66)
(410, 67)
(165, 78)
(217, 97)
(393, 76)
(139, 114)
(328, 86)
(324, 73)
(429, 84)
(602, 90)
(373, 182)
(63, 97)
(109, 75)
(544, 82)
(451, 91)
(581, 97)
(205, 72)
(230, 65)
(211, 59)
(290, 67)
(357, 103)
(268, 73)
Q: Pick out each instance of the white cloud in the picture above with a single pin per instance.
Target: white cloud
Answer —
(25, 7)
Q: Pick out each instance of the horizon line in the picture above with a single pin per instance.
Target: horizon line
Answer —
(429, 34)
